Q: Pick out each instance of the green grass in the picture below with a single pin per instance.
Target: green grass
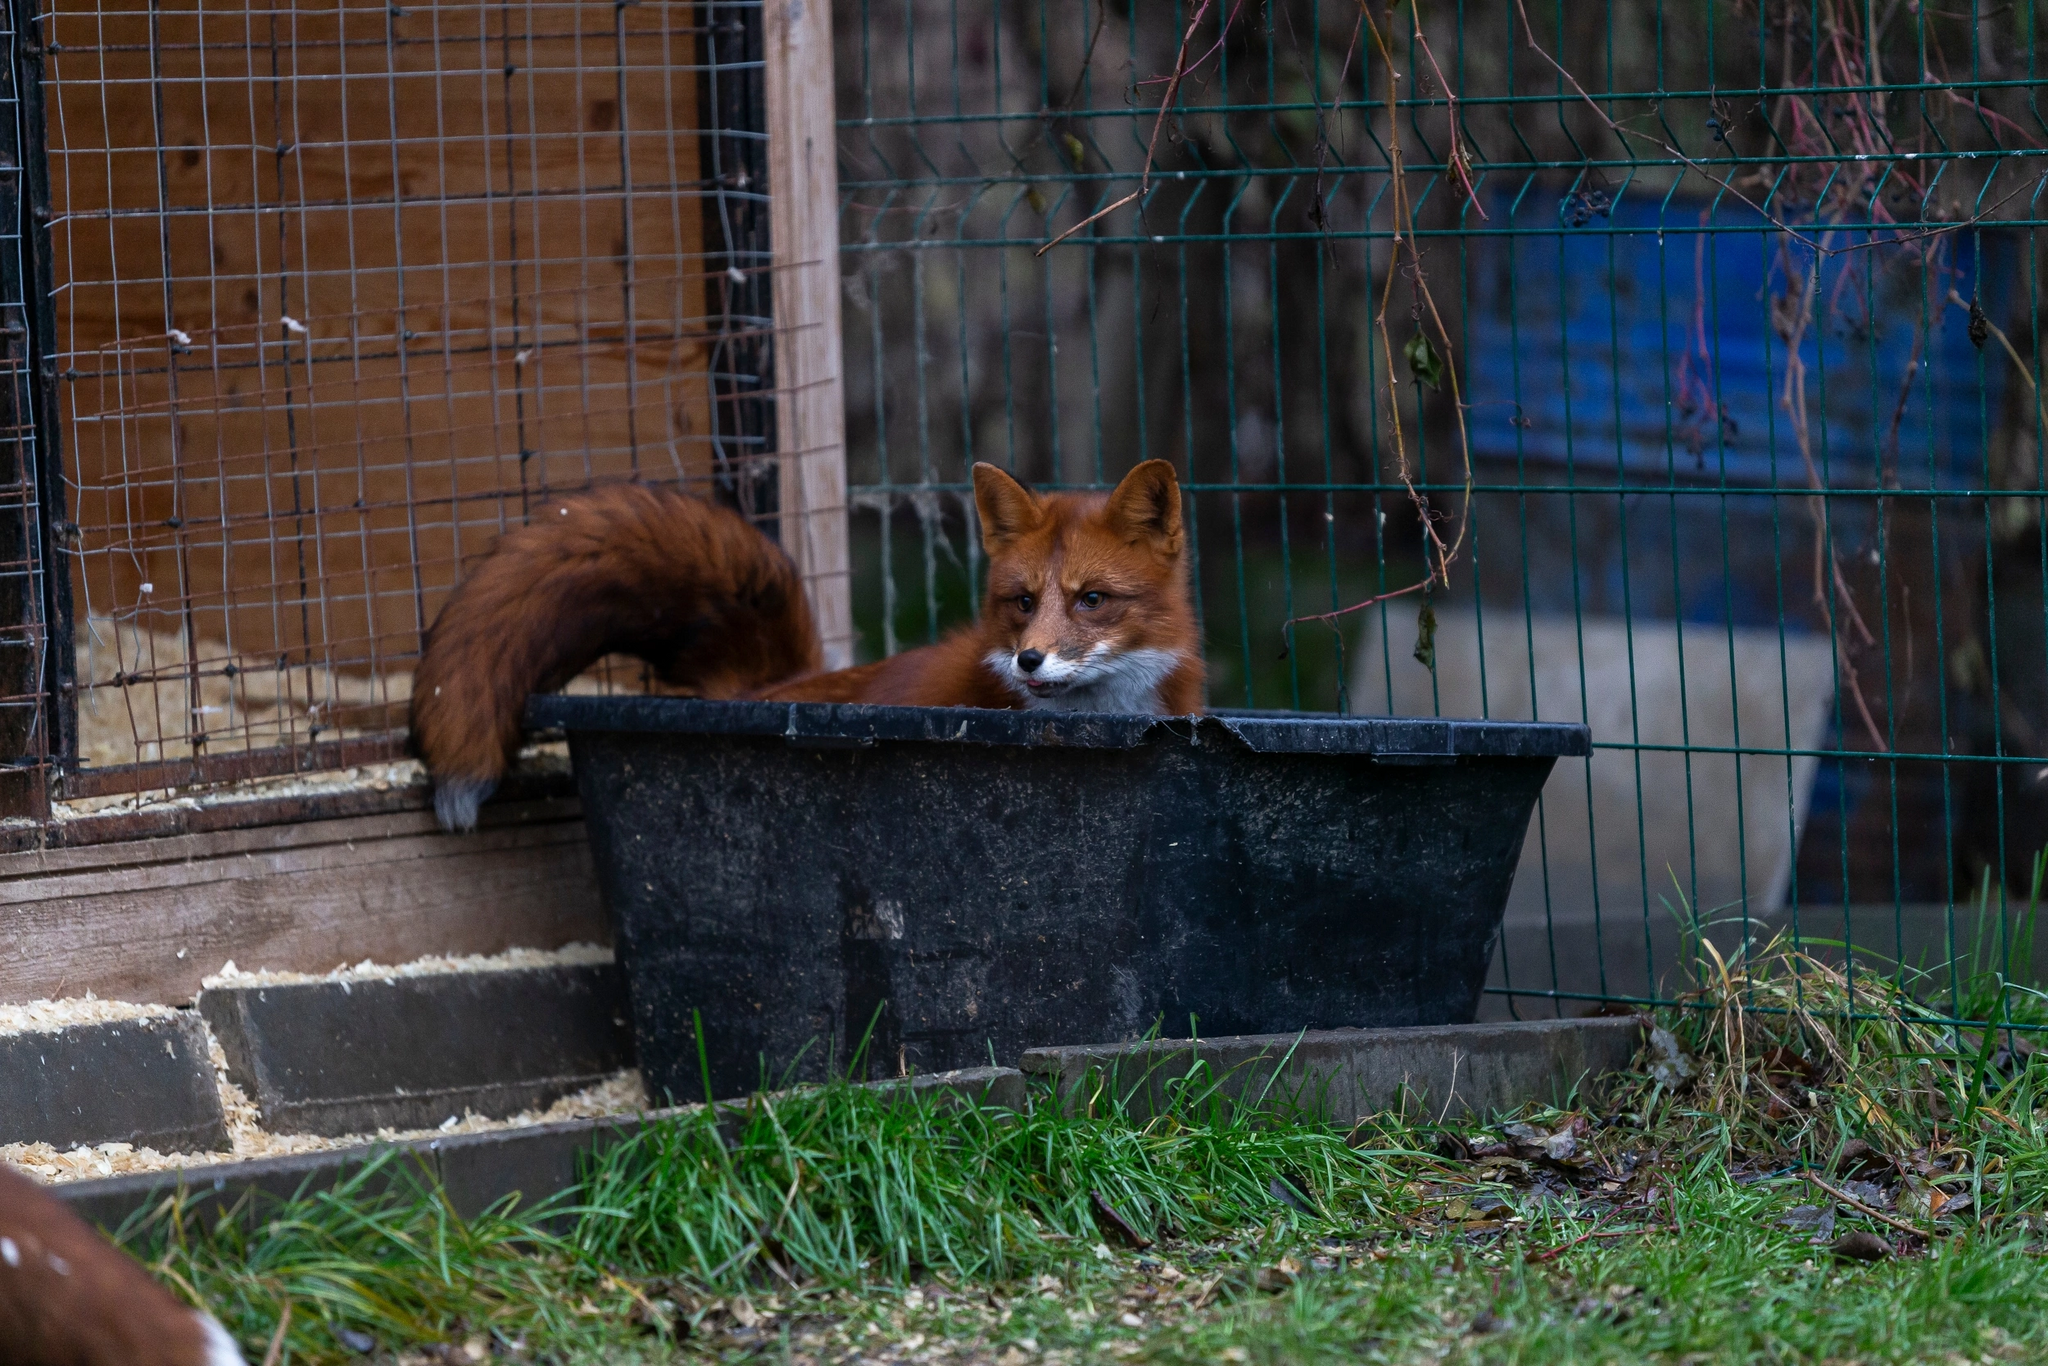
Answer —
(842, 1222)
(846, 1184)
(1988, 992)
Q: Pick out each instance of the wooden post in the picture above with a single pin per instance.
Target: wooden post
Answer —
(803, 217)
(35, 577)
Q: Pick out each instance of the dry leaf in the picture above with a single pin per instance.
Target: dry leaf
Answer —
(1921, 1199)
(1819, 1220)
(1670, 1065)
(1273, 1279)
(1114, 1223)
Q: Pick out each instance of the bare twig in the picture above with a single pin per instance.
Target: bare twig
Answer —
(1621, 132)
(1102, 212)
(1900, 239)
(1460, 159)
(276, 1349)
(1881, 160)
(1906, 378)
(1404, 215)
(1551, 1254)
(1852, 1202)
(1087, 57)
(1287, 626)
(2026, 373)
(1439, 553)
(1202, 60)
(1830, 585)
(1319, 207)
(1181, 68)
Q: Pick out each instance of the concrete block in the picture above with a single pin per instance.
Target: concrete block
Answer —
(1343, 1074)
(148, 1082)
(410, 1052)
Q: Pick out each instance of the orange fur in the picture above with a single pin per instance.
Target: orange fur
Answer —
(633, 569)
(1096, 588)
(70, 1298)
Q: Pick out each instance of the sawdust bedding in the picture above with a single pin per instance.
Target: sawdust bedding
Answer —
(621, 1094)
(367, 971)
(43, 1017)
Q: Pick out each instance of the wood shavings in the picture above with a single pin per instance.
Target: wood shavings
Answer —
(622, 1094)
(397, 775)
(34, 1017)
(511, 960)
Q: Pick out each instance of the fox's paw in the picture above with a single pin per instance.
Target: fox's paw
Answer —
(456, 800)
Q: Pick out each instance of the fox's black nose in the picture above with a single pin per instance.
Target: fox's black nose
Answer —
(1029, 660)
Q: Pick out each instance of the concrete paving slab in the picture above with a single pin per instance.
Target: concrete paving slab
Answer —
(1343, 1074)
(148, 1082)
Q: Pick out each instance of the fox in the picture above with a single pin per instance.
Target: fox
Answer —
(1088, 608)
(68, 1297)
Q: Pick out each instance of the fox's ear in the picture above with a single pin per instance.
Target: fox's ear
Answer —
(1007, 508)
(1146, 506)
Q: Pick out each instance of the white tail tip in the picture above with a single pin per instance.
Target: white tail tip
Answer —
(456, 801)
(220, 1348)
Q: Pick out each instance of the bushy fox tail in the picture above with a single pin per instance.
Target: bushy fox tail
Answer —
(712, 604)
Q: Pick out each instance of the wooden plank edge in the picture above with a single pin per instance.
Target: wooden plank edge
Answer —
(803, 228)
(193, 816)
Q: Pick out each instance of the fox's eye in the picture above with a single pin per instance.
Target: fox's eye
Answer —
(1025, 603)
(1091, 601)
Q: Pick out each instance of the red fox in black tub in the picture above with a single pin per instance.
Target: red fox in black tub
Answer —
(1088, 609)
(68, 1297)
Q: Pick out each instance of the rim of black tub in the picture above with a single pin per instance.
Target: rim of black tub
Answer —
(1387, 738)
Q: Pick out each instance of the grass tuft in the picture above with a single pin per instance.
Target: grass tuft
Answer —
(844, 1183)
(380, 1257)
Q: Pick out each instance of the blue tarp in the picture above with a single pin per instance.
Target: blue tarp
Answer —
(1647, 334)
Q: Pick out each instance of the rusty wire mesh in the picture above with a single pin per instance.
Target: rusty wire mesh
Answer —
(341, 292)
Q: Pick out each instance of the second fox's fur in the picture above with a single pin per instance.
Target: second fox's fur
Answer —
(1088, 609)
(68, 1297)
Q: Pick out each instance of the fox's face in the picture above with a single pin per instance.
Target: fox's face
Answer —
(1088, 605)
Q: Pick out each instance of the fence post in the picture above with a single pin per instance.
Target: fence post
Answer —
(803, 218)
(36, 708)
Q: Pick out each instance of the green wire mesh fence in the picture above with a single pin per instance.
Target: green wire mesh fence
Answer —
(1668, 366)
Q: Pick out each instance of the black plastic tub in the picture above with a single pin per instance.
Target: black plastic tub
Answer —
(955, 885)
